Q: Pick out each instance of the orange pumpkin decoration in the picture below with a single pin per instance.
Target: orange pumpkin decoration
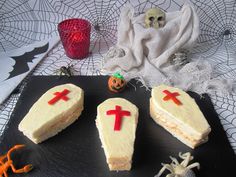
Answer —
(116, 83)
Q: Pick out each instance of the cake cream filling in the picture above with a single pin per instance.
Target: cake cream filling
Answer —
(177, 132)
(61, 124)
(172, 122)
(173, 129)
(118, 167)
(45, 119)
(53, 127)
(114, 163)
(118, 145)
(48, 121)
(113, 160)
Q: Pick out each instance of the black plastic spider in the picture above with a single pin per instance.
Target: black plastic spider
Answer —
(66, 70)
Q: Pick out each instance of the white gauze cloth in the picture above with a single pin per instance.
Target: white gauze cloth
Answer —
(144, 53)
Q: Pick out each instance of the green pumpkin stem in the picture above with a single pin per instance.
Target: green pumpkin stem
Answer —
(118, 75)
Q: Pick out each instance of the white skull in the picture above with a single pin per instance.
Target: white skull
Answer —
(155, 18)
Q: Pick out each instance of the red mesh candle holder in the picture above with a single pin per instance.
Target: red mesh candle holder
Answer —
(75, 37)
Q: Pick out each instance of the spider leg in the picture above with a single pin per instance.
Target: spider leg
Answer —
(72, 69)
(183, 156)
(169, 167)
(187, 157)
(56, 71)
(2, 158)
(69, 73)
(5, 174)
(2, 164)
(165, 166)
(25, 169)
(13, 149)
(60, 74)
(160, 172)
(171, 175)
(174, 160)
(196, 164)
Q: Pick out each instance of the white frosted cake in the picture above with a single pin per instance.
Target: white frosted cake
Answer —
(116, 121)
(179, 114)
(52, 112)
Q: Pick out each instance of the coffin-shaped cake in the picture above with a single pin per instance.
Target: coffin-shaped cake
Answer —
(52, 112)
(179, 114)
(116, 121)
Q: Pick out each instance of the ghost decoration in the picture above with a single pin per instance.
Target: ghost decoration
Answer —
(155, 18)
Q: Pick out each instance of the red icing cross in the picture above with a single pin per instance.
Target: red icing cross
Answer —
(118, 116)
(59, 96)
(171, 96)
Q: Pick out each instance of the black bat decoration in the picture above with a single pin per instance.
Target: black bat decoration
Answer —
(21, 65)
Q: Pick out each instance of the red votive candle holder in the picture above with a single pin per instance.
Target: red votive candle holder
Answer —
(75, 37)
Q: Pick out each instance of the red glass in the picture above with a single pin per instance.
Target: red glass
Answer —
(75, 37)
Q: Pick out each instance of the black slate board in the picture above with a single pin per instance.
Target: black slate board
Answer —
(77, 151)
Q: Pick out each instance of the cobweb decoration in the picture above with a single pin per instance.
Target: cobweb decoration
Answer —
(166, 5)
(56, 59)
(21, 23)
(217, 44)
(226, 109)
(6, 111)
(104, 17)
(17, 26)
